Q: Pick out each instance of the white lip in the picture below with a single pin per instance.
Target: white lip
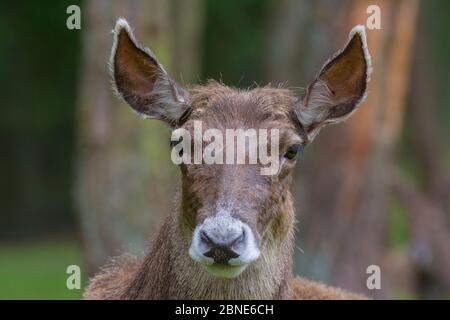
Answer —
(224, 270)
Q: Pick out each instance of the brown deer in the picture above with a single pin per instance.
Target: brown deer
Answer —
(232, 233)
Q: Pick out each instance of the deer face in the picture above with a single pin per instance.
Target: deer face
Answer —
(231, 206)
(234, 211)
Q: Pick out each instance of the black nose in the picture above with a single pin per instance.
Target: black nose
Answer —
(221, 250)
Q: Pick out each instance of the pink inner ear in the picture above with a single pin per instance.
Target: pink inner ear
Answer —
(135, 71)
(346, 74)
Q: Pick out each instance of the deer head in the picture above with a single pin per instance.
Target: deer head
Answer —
(230, 214)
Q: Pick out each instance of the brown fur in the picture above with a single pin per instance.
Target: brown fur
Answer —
(167, 271)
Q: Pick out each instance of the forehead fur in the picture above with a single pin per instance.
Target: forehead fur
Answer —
(223, 104)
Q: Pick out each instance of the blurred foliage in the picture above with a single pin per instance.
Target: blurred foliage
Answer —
(436, 15)
(38, 77)
(398, 232)
(46, 278)
(234, 41)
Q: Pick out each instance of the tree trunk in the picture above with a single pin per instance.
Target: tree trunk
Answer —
(343, 183)
(125, 179)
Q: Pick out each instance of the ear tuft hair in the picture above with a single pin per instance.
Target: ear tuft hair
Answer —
(140, 80)
(360, 32)
(123, 26)
(339, 87)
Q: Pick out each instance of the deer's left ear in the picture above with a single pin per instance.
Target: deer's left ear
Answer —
(339, 87)
(141, 80)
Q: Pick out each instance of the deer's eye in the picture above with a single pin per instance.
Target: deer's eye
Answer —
(293, 151)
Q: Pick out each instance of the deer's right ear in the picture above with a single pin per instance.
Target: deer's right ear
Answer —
(142, 81)
(339, 88)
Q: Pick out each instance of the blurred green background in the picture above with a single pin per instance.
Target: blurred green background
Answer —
(42, 74)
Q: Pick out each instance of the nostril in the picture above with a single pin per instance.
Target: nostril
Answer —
(221, 251)
(221, 254)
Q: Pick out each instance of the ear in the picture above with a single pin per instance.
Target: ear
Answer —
(339, 87)
(141, 80)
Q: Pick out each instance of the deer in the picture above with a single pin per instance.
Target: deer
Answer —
(231, 233)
